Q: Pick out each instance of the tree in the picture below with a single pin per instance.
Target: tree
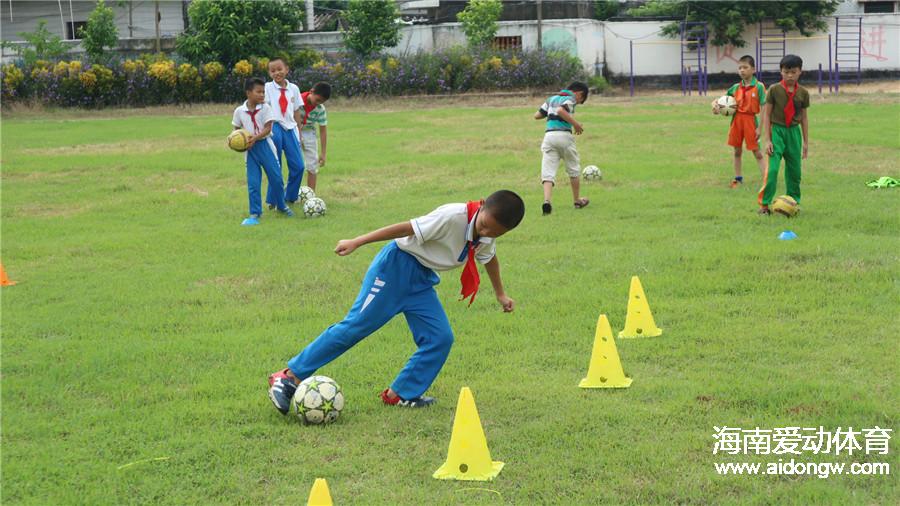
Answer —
(727, 20)
(100, 31)
(479, 20)
(605, 9)
(371, 26)
(229, 31)
(42, 45)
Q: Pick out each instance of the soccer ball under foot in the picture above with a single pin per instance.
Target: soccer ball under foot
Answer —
(318, 400)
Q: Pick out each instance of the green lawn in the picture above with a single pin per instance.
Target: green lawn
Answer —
(146, 319)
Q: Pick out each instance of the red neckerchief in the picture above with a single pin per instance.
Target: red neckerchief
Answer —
(306, 107)
(789, 108)
(470, 278)
(283, 101)
(253, 114)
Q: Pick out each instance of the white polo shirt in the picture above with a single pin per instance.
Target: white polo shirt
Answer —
(242, 118)
(441, 236)
(273, 96)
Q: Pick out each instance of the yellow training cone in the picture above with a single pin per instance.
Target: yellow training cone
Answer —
(639, 321)
(319, 495)
(468, 458)
(605, 370)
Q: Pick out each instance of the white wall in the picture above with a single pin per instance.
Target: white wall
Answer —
(580, 37)
(19, 16)
(880, 48)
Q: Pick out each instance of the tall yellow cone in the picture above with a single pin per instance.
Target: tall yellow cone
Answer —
(639, 320)
(319, 495)
(468, 457)
(4, 280)
(605, 370)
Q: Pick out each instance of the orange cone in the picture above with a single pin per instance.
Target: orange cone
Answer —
(4, 279)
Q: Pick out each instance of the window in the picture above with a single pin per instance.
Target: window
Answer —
(878, 7)
(73, 29)
(503, 43)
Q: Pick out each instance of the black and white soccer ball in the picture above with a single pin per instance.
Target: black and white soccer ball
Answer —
(592, 173)
(318, 400)
(314, 207)
(306, 193)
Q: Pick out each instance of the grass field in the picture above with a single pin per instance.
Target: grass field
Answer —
(146, 319)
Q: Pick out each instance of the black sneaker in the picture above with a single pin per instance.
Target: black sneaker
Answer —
(547, 208)
(418, 402)
(281, 391)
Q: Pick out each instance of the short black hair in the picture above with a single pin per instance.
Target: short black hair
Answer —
(506, 207)
(253, 82)
(580, 86)
(278, 58)
(322, 89)
(791, 61)
(748, 60)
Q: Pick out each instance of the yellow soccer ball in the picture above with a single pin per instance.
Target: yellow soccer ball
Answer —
(239, 140)
(785, 206)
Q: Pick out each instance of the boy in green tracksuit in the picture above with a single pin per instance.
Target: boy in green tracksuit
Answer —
(787, 131)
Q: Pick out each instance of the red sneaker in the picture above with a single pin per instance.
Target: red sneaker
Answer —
(418, 402)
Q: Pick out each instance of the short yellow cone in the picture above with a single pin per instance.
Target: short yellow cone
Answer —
(319, 495)
(605, 370)
(639, 320)
(468, 457)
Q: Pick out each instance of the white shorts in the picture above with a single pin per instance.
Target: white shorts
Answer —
(310, 144)
(559, 145)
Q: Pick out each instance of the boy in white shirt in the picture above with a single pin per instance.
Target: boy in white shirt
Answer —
(401, 279)
(256, 117)
(283, 98)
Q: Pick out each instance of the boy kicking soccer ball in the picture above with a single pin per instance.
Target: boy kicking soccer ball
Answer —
(401, 279)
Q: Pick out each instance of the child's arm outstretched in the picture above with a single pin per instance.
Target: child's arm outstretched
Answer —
(346, 246)
(493, 270)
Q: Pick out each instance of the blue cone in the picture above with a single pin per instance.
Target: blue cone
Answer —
(787, 235)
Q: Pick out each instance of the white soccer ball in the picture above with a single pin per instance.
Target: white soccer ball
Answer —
(314, 207)
(318, 400)
(726, 105)
(592, 173)
(306, 193)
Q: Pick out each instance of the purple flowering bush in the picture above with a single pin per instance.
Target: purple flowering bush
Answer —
(157, 79)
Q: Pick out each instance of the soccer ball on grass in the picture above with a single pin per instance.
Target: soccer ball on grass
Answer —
(314, 207)
(785, 206)
(592, 173)
(318, 400)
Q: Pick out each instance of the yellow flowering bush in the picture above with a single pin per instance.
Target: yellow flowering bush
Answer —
(12, 77)
(375, 68)
(134, 66)
(262, 65)
(74, 68)
(514, 62)
(188, 75)
(164, 71)
(88, 79)
(213, 70)
(495, 62)
(319, 64)
(61, 68)
(243, 68)
(392, 63)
